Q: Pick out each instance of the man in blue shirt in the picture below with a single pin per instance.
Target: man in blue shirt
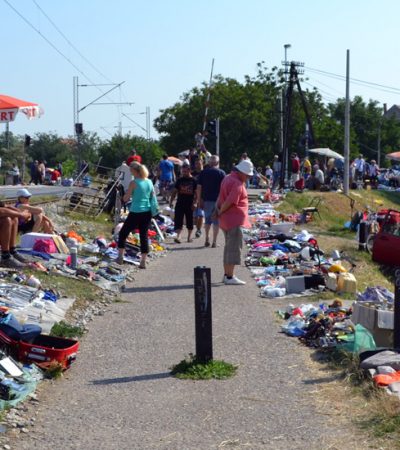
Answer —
(208, 186)
(167, 177)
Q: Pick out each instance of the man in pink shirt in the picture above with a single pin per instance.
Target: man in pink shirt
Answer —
(232, 212)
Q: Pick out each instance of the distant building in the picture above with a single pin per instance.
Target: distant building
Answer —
(393, 111)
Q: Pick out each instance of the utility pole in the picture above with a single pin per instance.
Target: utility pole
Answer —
(306, 138)
(217, 136)
(293, 80)
(347, 128)
(379, 144)
(208, 97)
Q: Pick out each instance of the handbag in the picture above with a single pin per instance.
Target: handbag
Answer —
(154, 204)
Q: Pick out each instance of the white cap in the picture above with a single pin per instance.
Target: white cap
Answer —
(245, 166)
(23, 193)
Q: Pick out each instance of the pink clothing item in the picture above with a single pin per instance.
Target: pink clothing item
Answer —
(233, 190)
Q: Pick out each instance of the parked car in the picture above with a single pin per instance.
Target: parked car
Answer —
(386, 247)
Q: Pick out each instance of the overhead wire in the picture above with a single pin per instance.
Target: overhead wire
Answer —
(70, 43)
(53, 46)
(357, 81)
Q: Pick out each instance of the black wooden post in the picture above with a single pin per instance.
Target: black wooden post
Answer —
(203, 316)
(362, 236)
(396, 334)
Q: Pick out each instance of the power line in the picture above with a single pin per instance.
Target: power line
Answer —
(70, 43)
(357, 81)
(48, 41)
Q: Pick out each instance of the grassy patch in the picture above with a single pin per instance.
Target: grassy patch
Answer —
(54, 371)
(65, 330)
(191, 368)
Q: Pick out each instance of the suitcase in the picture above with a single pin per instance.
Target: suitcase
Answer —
(295, 285)
(42, 350)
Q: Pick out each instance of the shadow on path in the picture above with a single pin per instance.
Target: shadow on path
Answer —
(174, 287)
(148, 377)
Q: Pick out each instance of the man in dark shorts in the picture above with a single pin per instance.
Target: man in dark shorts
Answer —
(185, 187)
(208, 186)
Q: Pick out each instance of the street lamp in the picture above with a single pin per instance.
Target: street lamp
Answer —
(286, 46)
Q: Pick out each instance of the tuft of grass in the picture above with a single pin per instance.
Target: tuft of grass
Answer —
(65, 330)
(191, 369)
(55, 370)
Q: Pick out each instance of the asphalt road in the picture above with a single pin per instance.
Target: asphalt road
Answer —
(120, 395)
(40, 190)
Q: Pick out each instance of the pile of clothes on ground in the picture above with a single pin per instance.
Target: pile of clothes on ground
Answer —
(30, 303)
(17, 381)
(326, 326)
(287, 263)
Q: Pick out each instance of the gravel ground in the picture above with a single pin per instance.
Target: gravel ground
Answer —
(119, 394)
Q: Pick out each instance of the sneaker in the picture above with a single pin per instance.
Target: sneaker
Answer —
(223, 279)
(20, 258)
(198, 233)
(12, 263)
(234, 281)
(120, 260)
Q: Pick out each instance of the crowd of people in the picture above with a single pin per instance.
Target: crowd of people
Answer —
(203, 197)
(316, 174)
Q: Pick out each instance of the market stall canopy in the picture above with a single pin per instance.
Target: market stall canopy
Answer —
(10, 107)
(326, 152)
(393, 156)
(175, 160)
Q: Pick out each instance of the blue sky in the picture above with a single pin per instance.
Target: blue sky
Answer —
(163, 48)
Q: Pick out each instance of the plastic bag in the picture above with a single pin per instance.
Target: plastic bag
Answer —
(361, 341)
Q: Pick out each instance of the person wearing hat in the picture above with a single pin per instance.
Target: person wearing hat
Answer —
(232, 212)
(373, 172)
(36, 222)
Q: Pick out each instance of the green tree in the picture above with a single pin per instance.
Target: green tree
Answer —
(115, 150)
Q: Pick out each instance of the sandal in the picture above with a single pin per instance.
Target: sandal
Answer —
(177, 241)
(190, 240)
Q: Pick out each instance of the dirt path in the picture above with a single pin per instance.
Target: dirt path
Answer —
(119, 395)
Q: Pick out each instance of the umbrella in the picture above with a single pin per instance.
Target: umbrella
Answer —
(393, 156)
(10, 107)
(185, 153)
(175, 160)
(326, 152)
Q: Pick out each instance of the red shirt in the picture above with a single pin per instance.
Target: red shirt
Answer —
(295, 165)
(55, 175)
(132, 158)
(233, 190)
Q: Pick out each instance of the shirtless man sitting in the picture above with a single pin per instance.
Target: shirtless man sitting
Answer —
(8, 237)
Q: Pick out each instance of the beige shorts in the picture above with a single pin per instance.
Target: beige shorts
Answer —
(233, 246)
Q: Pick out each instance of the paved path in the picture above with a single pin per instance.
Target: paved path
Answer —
(119, 394)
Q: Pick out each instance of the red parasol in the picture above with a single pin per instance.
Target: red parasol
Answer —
(10, 107)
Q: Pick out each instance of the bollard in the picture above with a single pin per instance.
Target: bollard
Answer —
(203, 315)
(396, 333)
(362, 236)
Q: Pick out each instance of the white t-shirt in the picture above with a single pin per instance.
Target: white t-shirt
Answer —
(126, 175)
(319, 175)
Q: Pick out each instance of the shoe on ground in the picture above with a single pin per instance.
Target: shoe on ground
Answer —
(207, 244)
(234, 281)
(120, 260)
(214, 245)
(12, 263)
(20, 258)
(177, 241)
(198, 233)
(142, 265)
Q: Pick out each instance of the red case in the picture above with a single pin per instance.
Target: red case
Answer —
(43, 350)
